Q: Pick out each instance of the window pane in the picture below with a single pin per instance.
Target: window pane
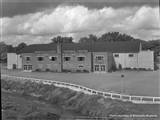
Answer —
(27, 58)
(130, 55)
(81, 58)
(102, 67)
(99, 58)
(96, 67)
(116, 55)
(40, 58)
(53, 58)
(67, 58)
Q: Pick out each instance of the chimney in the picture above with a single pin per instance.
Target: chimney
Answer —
(59, 52)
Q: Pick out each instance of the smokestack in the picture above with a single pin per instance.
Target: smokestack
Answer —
(60, 59)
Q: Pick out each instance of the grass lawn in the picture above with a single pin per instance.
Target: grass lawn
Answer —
(145, 83)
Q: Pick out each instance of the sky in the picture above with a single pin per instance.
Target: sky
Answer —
(37, 21)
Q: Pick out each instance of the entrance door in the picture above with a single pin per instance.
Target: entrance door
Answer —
(14, 66)
(27, 68)
(100, 68)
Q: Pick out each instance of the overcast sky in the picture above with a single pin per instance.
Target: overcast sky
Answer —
(37, 21)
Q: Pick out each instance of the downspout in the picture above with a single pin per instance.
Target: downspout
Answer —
(59, 51)
(92, 56)
(140, 48)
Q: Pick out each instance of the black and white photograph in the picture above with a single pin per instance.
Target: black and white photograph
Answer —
(80, 59)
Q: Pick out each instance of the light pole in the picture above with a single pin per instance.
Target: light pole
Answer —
(122, 84)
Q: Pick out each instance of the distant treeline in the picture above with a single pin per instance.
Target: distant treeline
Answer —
(109, 37)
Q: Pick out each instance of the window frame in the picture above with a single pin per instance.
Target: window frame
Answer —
(102, 56)
(131, 55)
(64, 58)
(27, 67)
(116, 55)
(27, 57)
(40, 57)
(81, 57)
(50, 58)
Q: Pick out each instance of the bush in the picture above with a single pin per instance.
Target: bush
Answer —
(38, 70)
(66, 70)
(135, 68)
(113, 68)
(156, 66)
(78, 71)
(48, 70)
(143, 69)
(120, 67)
(127, 68)
(85, 71)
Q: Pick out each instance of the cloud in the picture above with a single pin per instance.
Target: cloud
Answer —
(77, 21)
(11, 8)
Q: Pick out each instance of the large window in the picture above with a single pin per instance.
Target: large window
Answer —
(40, 58)
(67, 58)
(100, 68)
(27, 67)
(99, 58)
(53, 58)
(80, 58)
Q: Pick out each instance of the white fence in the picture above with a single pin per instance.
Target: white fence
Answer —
(122, 97)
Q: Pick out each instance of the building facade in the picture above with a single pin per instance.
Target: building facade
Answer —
(97, 57)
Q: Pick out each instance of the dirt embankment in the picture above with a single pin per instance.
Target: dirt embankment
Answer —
(81, 104)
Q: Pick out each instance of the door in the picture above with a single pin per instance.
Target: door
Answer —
(27, 67)
(100, 68)
(14, 66)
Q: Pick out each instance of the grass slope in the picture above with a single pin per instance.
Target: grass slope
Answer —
(78, 102)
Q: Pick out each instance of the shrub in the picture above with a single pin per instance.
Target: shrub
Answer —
(120, 67)
(38, 70)
(113, 68)
(135, 68)
(48, 70)
(66, 70)
(127, 68)
(86, 71)
(156, 66)
(78, 71)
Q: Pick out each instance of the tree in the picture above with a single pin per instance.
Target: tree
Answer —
(10, 48)
(62, 39)
(115, 36)
(20, 47)
(89, 39)
(83, 40)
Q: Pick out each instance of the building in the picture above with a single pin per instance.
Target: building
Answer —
(14, 61)
(95, 57)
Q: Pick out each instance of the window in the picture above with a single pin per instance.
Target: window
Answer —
(27, 67)
(28, 58)
(102, 67)
(99, 58)
(53, 58)
(40, 58)
(80, 58)
(96, 67)
(116, 55)
(80, 66)
(130, 55)
(67, 58)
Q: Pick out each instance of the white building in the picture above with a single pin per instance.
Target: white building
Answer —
(14, 61)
